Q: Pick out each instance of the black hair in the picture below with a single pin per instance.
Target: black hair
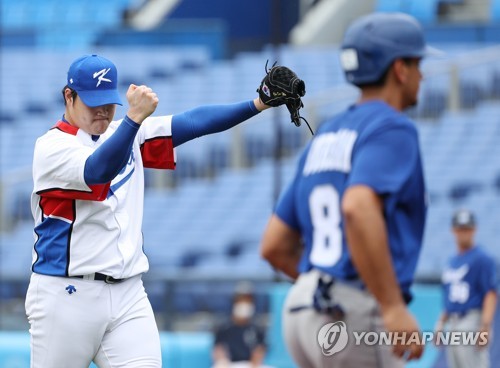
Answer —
(73, 93)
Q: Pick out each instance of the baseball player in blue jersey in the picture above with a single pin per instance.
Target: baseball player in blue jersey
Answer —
(349, 227)
(86, 301)
(470, 294)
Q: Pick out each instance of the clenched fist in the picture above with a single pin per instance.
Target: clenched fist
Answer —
(142, 102)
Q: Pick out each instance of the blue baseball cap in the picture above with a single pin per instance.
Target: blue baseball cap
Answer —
(463, 218)
(374, 41)
(95, 79)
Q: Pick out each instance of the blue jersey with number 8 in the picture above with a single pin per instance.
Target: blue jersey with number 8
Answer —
(369, 144)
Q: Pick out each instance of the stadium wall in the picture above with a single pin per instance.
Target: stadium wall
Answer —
(193, 349)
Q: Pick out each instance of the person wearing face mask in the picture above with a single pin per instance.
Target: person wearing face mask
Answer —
(240, 343)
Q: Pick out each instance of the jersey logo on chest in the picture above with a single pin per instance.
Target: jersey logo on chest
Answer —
(124, 176)
(455, 274)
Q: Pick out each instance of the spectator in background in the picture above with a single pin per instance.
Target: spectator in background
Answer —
(470, 294)
(240, 343)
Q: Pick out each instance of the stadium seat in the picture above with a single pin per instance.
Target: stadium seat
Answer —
(208, 221)
(389, 5)
(426, 11)
(495, 11)
(223, 216)
(495, 85)
(433, 104)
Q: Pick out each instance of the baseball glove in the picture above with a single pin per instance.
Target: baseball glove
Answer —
(281, 86)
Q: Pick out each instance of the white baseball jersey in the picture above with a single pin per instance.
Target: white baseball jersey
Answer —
(81, 229)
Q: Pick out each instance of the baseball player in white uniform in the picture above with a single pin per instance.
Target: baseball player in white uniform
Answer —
(86, 301)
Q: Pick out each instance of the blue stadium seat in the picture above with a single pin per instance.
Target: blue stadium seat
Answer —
(223, 217)
(426, 11)
(389, 5)
(495, 11)
(86, 18)
(16, 248)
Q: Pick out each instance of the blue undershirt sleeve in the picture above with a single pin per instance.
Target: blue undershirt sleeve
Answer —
(106, 162)
(205, 120)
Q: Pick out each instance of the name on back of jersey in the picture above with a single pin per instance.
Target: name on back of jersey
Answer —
(331, 152)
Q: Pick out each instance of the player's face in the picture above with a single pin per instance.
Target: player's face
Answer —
(464, 236)
(92, 120)
(412, 84)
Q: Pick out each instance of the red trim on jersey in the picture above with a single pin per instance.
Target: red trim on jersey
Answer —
(59, 207)
(66, 127)
(158, 153)
(99, 193)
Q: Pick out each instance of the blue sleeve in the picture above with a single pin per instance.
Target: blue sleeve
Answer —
(209, 119)
(106, 162)
(286, 208)
(487, 275)
(385, 160)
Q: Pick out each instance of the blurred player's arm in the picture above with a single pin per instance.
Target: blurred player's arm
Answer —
(488, 311)
(368, 244)
(281, 247)
(443, 318)
(220, 356)
(488, 314)
(439, 327)
(281, 243)
(487, 280)
(257, 358)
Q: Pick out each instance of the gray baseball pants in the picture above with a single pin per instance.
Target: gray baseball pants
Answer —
(300, 328)
(467, 356)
